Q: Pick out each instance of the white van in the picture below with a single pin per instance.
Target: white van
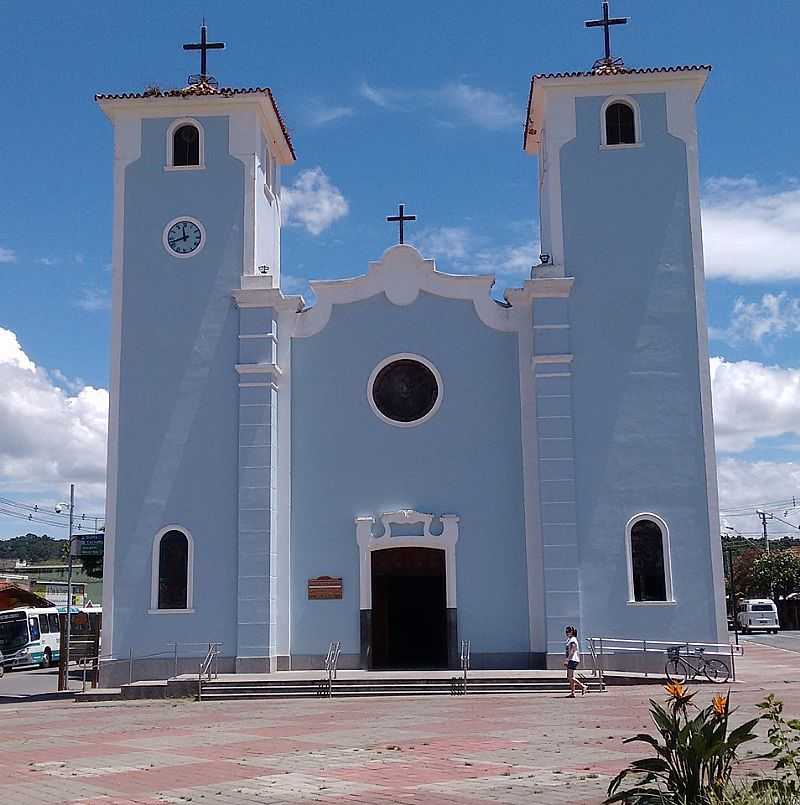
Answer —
(758, 613)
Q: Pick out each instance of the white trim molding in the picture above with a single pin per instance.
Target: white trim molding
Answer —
(402, 273)
(367, 543)
(409, 356)
(189, 608)
(171, 129)
(667, 558)
(172, 223)
(627, 100)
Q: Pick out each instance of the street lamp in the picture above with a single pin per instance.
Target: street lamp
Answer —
(59, 507)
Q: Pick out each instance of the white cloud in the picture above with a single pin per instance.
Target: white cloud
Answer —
(47, 261)
(753, 401)
(751, 233)
(746, 485)
(49, 437)
(374, 95)
(319, 112)
(773, 317)
(461, 250)
(313, 202)
(482, 107)
(7, 255)
(93, 299)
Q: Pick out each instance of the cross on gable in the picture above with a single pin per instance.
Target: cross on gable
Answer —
(605, 24)
(203, 46)
(401, 219)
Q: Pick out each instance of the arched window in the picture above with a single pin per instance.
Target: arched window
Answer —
(172, 570)
(649, 573)
(620, 124)
(186, 146)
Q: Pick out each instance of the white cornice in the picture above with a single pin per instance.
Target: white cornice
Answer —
(589, 85)
(202, 106)
(402, 273)
(259, 368)
(267, 297)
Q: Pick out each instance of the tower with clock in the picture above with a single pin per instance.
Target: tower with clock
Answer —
(408, 463)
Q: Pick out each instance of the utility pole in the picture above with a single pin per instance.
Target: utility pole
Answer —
(733, 596)
(763, 516)
(70, 540)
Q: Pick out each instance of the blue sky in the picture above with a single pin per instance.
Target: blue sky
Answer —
(416, 101)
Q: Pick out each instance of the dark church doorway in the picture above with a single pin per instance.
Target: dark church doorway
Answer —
(409, 608)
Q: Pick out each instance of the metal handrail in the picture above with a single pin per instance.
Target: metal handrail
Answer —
(620, 645)
(213, 652)
(95, 664)
(331, 664)
(466, 659)
(597, 667)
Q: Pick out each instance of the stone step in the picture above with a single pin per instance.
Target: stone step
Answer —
(272, 689)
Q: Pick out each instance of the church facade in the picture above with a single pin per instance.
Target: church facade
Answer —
(408, 463)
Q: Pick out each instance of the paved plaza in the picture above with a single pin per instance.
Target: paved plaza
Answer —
(540, 748)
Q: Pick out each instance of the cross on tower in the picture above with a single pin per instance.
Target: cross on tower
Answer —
(401, 219)
(605, 24)
(203, 46)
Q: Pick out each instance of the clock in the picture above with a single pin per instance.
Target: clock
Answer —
(184, 237)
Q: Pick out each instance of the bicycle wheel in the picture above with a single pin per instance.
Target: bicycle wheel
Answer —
(716, 671)
(676, 670)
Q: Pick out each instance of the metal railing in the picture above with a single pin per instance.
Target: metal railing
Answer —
(214, 650)
(601, 648)
(466, 659)
(331, 664)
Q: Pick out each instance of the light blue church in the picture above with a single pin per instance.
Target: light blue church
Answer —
(409, 462)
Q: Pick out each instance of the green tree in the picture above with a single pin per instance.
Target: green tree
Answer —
(33, 548)
(776, 574)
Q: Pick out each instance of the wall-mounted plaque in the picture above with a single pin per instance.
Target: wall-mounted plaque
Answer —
(324, 588)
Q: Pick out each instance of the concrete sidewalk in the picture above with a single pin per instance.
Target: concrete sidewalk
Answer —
(431, 751)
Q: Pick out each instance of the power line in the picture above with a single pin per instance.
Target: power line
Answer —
(45, 510)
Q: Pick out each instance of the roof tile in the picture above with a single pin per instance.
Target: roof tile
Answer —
(202, 89)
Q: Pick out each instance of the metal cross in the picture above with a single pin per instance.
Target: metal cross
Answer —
(605, 24)
(401, 219)
(204, 46)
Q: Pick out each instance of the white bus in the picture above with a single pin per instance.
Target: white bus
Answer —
(30, 636)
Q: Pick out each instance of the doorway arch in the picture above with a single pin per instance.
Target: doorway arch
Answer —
(407, 590)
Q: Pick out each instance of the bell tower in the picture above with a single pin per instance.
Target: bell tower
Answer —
(619, 201)
(197, 217)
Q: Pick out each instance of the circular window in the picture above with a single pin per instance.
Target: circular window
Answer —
(405, 390)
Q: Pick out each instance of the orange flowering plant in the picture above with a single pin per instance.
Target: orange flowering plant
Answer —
(694, 752)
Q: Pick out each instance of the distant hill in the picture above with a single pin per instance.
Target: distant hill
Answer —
(34, 549)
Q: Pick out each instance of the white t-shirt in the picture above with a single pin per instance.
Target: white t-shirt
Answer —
(576, 657)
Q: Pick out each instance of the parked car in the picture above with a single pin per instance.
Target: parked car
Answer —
(758, 614)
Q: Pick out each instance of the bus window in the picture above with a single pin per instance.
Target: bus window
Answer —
(34, 626)
(54, 626)
(44, 626)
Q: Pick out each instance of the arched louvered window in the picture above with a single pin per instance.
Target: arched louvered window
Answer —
(620, 124)
(173, 558)
(649, 572)
(186, 146)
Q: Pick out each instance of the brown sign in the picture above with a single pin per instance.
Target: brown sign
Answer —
(324, 587)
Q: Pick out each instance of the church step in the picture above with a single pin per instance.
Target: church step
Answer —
(384, 687)
(339, 694)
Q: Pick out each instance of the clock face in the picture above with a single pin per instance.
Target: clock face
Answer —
(183, 237)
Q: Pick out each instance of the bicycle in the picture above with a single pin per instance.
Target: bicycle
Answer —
(681, 669)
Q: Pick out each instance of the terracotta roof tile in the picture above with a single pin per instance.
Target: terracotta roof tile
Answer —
(622, 70)
(203, 89)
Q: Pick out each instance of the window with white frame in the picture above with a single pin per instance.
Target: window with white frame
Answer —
(185, 145)
(649, 570)
(173, 556)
